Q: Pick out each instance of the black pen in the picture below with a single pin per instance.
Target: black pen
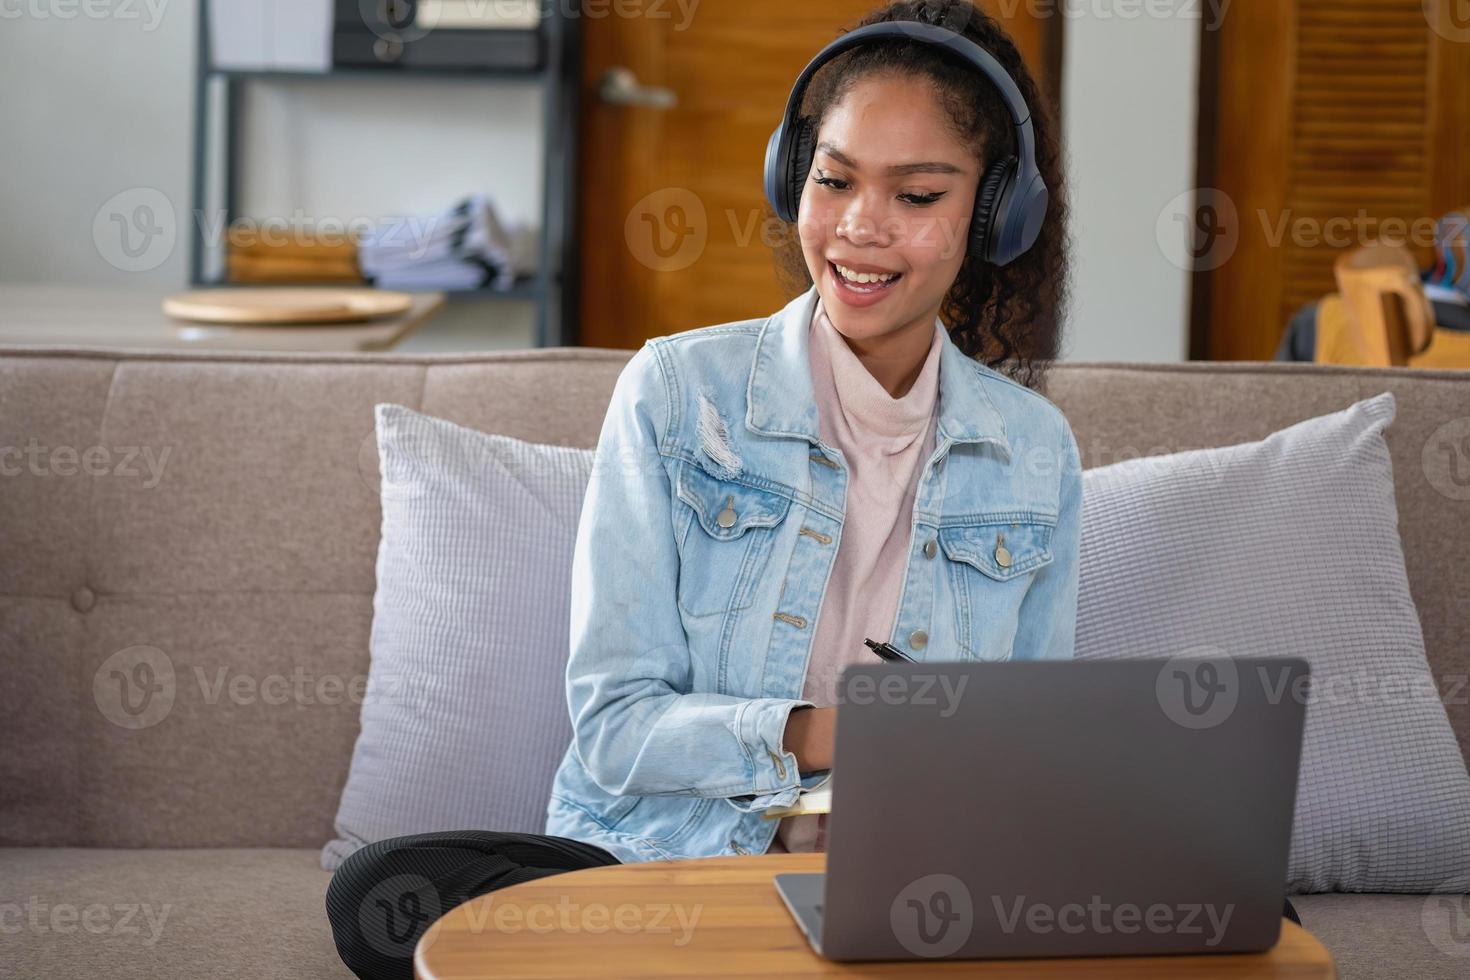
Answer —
(889, 652)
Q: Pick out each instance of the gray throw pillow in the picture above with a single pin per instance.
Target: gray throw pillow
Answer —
(1290, 546)
(465, 717)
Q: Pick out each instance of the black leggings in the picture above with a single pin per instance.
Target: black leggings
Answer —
(386, 895)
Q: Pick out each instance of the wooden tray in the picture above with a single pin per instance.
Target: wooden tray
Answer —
(283, 307)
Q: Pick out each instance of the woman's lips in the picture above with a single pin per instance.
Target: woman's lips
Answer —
(855, 295)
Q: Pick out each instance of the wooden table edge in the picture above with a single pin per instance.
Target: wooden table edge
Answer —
(442, 951)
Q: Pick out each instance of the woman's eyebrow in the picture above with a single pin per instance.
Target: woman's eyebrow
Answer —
(897, 170)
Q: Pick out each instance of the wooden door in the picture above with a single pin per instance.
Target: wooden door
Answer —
(671, 198)
(1326, 124)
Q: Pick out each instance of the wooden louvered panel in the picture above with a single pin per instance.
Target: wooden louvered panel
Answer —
(1375, 166)
(1323, 110)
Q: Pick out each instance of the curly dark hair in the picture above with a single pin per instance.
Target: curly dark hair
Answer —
(1008, 317)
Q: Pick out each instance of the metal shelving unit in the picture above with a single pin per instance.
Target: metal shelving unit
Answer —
(553, 287)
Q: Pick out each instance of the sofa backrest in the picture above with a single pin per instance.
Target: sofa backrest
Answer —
(220, 513)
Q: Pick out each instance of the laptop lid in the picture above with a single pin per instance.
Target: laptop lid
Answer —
(1062, 808)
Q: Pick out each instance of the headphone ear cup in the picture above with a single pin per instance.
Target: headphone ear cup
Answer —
(983, 224)
(803, 149)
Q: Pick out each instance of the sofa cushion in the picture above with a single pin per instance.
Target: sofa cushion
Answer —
(255, 914)
(1389, 937)
(465, 715)
(1290, 546)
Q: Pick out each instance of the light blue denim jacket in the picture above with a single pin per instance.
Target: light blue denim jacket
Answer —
(706, 538)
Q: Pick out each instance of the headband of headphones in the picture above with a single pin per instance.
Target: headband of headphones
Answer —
(1011, 201)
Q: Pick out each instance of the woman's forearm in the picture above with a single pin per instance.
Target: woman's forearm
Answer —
(810, 735)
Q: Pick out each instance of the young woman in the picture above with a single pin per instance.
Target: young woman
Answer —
(873, 460)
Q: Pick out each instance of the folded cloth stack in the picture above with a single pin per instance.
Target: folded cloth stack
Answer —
(464, 247)
(300, 256)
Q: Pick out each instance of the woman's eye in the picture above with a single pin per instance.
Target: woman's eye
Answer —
(918, 200)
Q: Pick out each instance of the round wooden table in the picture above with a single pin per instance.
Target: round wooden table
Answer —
(721, 917)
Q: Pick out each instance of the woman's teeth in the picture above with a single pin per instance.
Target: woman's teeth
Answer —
(864, 278)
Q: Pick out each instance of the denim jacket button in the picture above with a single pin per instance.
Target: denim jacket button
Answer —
(930, 548)
(1002, 554)
(726, 517)
(918, 639)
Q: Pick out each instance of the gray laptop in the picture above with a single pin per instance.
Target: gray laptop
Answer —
(1063, 808)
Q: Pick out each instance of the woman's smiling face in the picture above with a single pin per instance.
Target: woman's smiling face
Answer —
(891, 191)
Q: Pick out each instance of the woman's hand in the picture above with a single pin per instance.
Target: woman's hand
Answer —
(810, 735)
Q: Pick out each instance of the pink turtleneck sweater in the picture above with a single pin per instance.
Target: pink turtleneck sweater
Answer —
(885, 441)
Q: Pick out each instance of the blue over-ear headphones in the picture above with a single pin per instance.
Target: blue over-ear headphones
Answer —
(1010, 203)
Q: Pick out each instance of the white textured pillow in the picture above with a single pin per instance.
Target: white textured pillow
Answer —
(1290, 546)
(465, 715)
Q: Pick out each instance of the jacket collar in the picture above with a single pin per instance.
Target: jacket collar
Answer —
(780, 401)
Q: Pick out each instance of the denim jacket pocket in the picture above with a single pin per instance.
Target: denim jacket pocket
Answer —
(731, 527)
(991, 561)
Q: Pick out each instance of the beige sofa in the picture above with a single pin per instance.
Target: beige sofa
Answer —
(223, 509)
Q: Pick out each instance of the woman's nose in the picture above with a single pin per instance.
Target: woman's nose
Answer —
(862, 224)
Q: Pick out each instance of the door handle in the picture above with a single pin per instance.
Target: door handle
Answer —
(619, 86)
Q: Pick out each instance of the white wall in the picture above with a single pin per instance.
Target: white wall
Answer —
(91, 107)
(1130, 97)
